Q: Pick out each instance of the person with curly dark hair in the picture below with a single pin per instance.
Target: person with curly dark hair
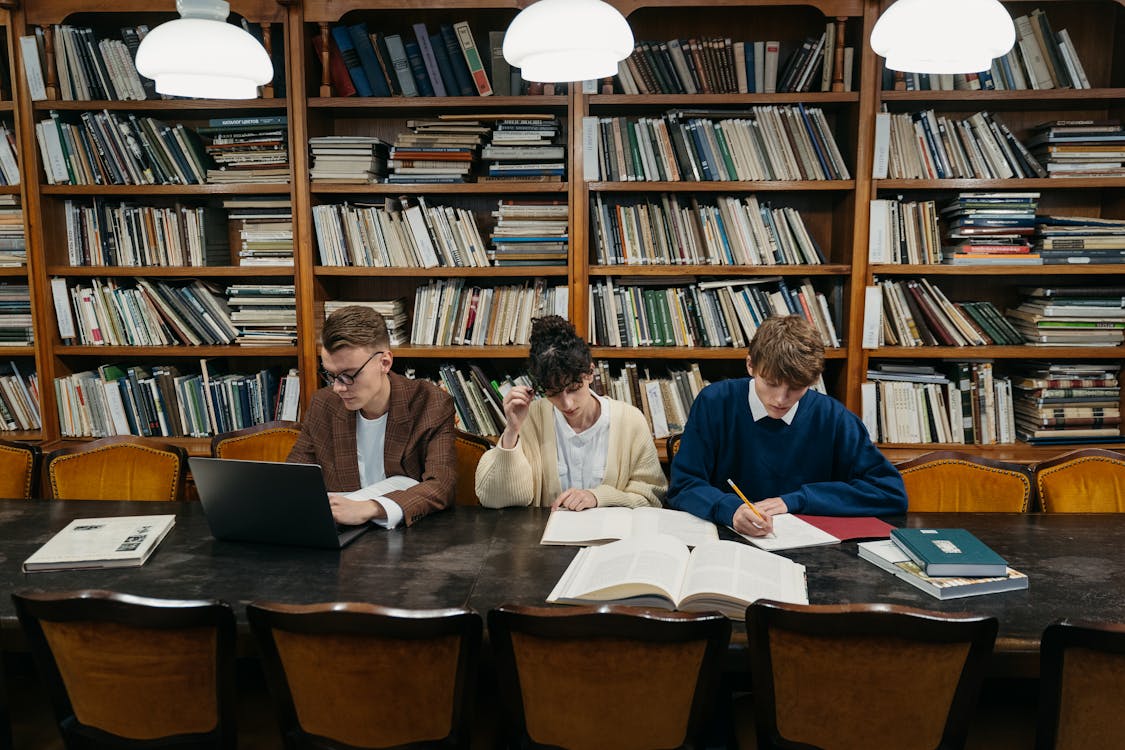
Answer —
(572, 448)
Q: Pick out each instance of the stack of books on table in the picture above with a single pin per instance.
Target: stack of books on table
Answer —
(248, 149)
(530, 233)
(437, 151)
(13, 243)
(990, 228)
(1080, 148)
(392, 310)
(15, 315)
(1070, 402)
(1071, 315)
(524, 149)
(1080, 239)
(265, 229)
(265, 314)
(19, 399)
(347, 159)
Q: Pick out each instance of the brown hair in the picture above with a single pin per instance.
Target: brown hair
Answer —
(787, 349)
(355, 325)
(559, 356)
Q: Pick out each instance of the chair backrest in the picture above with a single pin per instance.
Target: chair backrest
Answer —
(673, 445)
(117, 468)
(369, 676)
(468, 449)
(122, 669)
(1081, 686)
(270, 441)
(1091, 480)
(912, 675)
(950, 481)
(19, 470)
(620, 677)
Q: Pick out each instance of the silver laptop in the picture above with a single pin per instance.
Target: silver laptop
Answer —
(264, 501)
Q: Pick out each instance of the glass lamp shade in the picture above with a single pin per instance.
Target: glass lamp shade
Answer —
(567, 40)
(943, 36)
(201, 55)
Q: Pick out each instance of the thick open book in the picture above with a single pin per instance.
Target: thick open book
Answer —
(119, 542)
(888, 556)
(659, 571)
(601, 525)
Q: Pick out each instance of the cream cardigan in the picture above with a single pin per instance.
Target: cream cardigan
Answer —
(529, 473)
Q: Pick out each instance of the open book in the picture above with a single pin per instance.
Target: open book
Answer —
(792, 531)
(600, 525)
(120, 542)
(659, 571)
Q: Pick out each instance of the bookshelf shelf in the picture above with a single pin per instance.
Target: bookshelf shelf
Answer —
(28, 436)
(272, 188)
(7, 106)
(181, 107)
(492, 271)
(172, 271)
(722, 186)
(1056, 183)
(1018, 452)
(1052, 98)
(486, 104)
(456, 188)
(1075, 269)
(19, 271)
(195, 352)
(461, 352)
(816, 98)
(686, 353)
(9, 189)
(17, 351)
(1028, 351)
(716, 270)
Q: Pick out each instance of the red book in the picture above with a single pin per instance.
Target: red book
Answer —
(337, 70)
(844, 528)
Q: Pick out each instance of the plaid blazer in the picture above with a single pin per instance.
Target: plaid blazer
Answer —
(419, 444)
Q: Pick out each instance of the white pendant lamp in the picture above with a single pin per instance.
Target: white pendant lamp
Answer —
(943, 36)
(202, 55)
(567, 40)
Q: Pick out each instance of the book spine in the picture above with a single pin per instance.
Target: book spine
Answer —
(472, 58)
(430, 60)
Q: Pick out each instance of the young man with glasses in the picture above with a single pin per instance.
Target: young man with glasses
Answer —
(368, 424)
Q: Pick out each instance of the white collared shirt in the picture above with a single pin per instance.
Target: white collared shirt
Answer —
(582, 455)
(758, 409)
(370, 441)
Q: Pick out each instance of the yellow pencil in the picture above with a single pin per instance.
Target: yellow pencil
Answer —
(738, 492)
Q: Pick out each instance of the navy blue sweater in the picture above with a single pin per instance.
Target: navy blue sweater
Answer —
(824, 463)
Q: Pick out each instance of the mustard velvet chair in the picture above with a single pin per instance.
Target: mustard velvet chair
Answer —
(132, 672)
(1091, 480)
(865, 676)
(117, 468)
(951, 481)
(1081, 686)
(351, 675)
(589, 678)
(19, 470)
(270, 441)
(672, 445)
(468, 449)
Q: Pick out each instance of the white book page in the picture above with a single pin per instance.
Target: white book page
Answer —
(595, 525)
(691, 530)
(630, 567)
(733, 570)
(790, 532)
(379, 489)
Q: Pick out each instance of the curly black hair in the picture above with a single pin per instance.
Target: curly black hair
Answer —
(559, 356)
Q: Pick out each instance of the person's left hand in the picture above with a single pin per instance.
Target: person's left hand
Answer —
(574, 499)
(354, 512)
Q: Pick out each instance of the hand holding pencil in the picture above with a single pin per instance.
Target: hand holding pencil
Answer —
(759, 524)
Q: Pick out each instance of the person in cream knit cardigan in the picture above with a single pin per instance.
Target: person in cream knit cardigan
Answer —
(571, 449)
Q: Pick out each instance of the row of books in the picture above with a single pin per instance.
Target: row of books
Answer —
(263, 314)
(393, 312)
(449, 313)
(1087, 315)
(928, 146)
(264, 226)
(1080, 148)
(629, 312)
(767, 143)
(985, 228)
(530, 233)
(347, 159)
(903, 231)
(160, 401)
(248, 149)
(19, 399)
(1080, 239)
(915, 312)
(9, 161)
(13, 242)
(101, 233)
(676, 229)
(1059, 403)
(16, 328)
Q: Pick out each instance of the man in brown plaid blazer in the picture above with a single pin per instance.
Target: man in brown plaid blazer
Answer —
(370, 423)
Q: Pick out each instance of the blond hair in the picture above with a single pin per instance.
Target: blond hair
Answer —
(789, 350)
(355, 325)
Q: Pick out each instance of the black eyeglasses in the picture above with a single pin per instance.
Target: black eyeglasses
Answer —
(345, 378)
(541, 390)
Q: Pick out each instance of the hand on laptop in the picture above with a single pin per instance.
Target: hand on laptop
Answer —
(354, 512)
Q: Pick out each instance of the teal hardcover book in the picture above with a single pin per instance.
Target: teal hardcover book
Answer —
(949, 552)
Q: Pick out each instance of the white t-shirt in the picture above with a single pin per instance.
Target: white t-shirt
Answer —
(370, 442)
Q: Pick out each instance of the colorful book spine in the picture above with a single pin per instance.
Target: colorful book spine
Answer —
(472, 58)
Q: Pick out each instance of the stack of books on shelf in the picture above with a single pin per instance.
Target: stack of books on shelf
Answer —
(9, 162)
(1071, 315)
(15, 315)
(248, 149)
(665, 399)
(100, 233)
(392, 310)
(1068, 402)
(347, 159)
(19, 399)
(679, 312)
(530, 233)
(415, 63)
(524, 149)
(928, 146)
(448, 313)
(402, 233)
(1080, 148)
(264, 314)
(766, 143)
(903, 232)
(917, 313)
(264, 224)
(1080, 239)
(92, 69)
(13, 243)
(437, 151)
(676, 229)
(990, 228)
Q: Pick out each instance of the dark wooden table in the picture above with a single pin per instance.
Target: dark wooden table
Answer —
(483, 558)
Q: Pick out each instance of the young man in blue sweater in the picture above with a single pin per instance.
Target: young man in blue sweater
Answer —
(787, 448)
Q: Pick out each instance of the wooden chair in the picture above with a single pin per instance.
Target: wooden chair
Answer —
(951, 481)
(852, 676)
(468, 449)
(1081, 686)
(270, 441)
(19, 470)
(365, 676)
(609, 677)
(130, 672)
(117, 468)
(673, 445)
(1091, 480)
